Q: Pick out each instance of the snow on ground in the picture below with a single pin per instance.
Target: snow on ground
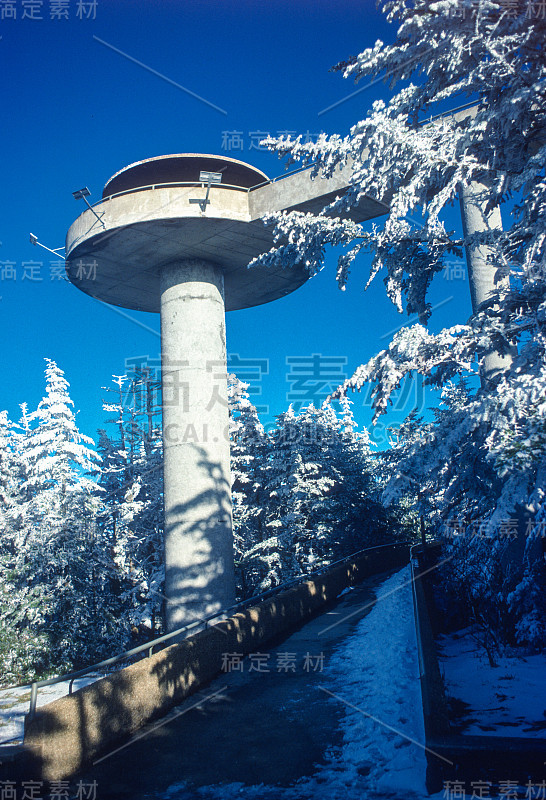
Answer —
(507, 700)
(373, 674)
(14, 704)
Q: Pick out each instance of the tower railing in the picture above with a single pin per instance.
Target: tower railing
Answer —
(198, 184)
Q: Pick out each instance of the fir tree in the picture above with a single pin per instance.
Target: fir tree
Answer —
(60, 606)
(132, 477)
(482, 462)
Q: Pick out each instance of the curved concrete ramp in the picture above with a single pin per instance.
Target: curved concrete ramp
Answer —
(263, 721)
(71, 733)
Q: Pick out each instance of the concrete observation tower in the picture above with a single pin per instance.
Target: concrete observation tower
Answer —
(174, 235)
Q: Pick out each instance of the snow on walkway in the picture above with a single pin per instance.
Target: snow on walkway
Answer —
(373, 674)
(14, 704)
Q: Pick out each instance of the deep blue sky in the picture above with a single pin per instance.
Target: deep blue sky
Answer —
(75, 112)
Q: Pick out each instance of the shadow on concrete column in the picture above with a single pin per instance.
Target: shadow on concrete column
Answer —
(199, 574)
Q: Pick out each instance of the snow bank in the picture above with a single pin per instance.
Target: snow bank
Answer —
(507, 700)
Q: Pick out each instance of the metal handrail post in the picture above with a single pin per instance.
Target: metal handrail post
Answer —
(33, 700)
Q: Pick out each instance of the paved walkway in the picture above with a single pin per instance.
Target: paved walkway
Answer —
(264, 723)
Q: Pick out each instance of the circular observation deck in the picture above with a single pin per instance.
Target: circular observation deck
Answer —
(154, 213)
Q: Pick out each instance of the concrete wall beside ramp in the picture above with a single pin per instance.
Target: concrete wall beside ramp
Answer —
(70, 733)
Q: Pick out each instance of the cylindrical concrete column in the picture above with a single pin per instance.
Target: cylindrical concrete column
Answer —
(481, 273)
(199, 575)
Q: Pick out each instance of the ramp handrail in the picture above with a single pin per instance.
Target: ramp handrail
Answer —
(149, 646)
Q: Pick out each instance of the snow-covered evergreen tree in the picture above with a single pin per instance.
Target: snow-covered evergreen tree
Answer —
(14, 643)
(313, 496)
(483, 461)
(60, 609)
(272, 559)
(249, 454)
(132, 477)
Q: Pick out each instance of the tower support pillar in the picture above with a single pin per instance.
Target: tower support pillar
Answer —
(481, 272)
(199, 574)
